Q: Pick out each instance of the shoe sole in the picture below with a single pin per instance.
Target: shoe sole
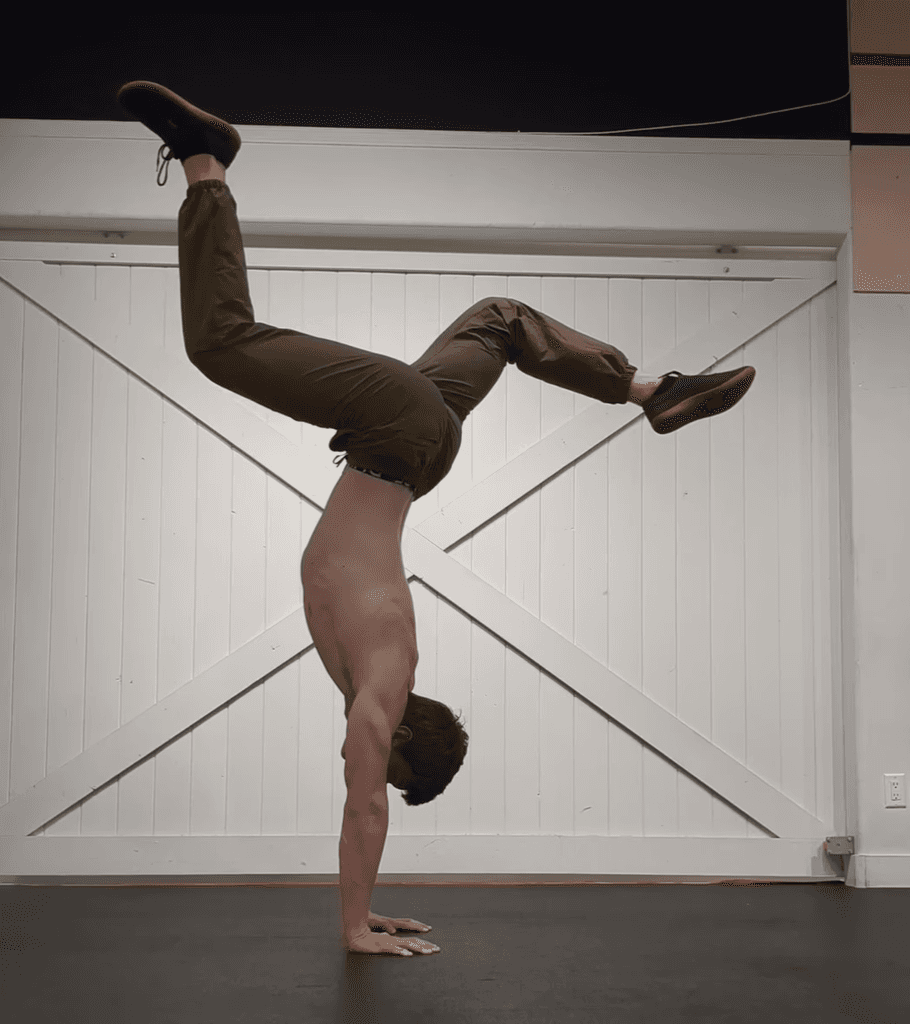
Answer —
(183, 127)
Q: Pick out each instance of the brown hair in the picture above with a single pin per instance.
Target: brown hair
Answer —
(435, 752)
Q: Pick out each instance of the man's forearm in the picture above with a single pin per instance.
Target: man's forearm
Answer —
(359, 853)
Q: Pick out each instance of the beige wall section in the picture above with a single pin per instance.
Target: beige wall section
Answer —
(880, 175)
(359, 186)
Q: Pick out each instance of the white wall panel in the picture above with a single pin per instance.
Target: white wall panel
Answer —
(149, 548)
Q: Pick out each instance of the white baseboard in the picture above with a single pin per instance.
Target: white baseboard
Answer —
(433, 860)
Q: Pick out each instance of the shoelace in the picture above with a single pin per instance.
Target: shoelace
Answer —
(162, 157)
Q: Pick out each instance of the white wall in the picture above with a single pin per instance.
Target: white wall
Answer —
(874, 339)
(356, 183)
(514, 190)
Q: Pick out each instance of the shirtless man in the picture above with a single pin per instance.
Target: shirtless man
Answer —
(357, 601)
(361, 617)
(401, 428)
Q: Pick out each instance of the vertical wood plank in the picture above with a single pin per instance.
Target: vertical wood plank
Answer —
(283, 590)
(12, 344)
(728, 655)
(535, 747)
(247, 617)
(387, 315)
(174, 343)
(211, 611)
(761, 573)
(421, 328)
(826, 685)
(72, 467)
(107, 540)
(693, 676)
(488, 695)
(141, 595)
(147, 307)
(138, 691)
(281, 692)
(174, 765)
(295, 301)
(34, 567)
(659, 573)
(179, 458)
(795, 556)
(245, 715)
(212, 639)
(626, 760)
(558, 705)
(74, 284)
(693, 568)
(453, 671)
(177, 585)
(591, 581)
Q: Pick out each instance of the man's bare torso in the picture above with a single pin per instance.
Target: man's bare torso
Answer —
(356, 598)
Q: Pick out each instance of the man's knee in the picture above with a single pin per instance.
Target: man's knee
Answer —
(495, 300)
(491, 301)
(204, 365)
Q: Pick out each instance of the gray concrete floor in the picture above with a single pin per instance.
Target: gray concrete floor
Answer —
(813, 953)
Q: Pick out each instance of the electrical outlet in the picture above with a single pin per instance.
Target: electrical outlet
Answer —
(894, 791)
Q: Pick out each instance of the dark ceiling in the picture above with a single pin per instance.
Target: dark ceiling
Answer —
(617, 67)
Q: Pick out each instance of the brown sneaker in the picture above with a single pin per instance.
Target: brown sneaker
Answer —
(679, 399)
(186, 129)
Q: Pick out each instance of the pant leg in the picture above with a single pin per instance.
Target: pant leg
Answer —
(468, 358)
(278, 368)
(390, 419)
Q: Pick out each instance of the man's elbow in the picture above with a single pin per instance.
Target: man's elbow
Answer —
(366, 806)
(367, 792)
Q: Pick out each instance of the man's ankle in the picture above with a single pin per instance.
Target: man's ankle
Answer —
(203, 167)
(641, 390)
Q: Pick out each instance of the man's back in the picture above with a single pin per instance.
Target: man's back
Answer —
(356, 598)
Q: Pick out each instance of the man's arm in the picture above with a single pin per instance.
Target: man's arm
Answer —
(359, 853)
(366, 811)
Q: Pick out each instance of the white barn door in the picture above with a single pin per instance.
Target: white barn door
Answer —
(641, 631)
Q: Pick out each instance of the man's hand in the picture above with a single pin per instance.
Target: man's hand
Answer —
(393, 924)
(367, 942)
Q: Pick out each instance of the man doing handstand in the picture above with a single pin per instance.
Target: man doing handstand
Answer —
(400, 426)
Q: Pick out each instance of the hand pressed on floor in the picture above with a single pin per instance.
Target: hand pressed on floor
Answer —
(380, 942)
(393, 924)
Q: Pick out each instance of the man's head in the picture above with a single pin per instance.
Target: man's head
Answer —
(428, 748)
